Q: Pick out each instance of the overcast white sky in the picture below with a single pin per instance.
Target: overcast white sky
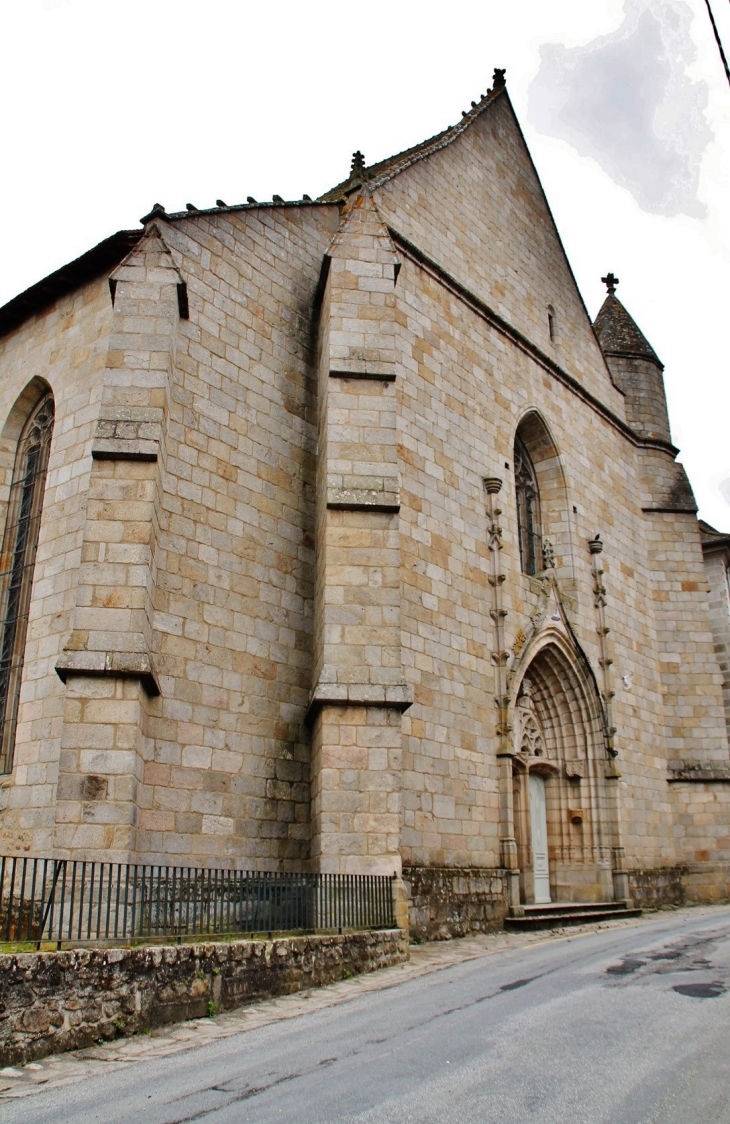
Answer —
(111, 105)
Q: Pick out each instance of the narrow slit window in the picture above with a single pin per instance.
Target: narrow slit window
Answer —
(551, 323)
(20, 542)
(528, 511)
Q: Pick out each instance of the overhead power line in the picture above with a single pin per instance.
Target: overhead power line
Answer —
(718, 41)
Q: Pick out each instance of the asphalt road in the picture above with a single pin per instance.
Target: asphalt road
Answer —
(624, 1026)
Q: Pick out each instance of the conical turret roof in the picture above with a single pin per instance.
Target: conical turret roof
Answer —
(619, 334)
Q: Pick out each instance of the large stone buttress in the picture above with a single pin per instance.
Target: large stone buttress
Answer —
(359, 690)
(107, 663)
(694, 730)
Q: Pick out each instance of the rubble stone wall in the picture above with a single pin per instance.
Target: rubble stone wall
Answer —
(446, 902)
(51, 1002)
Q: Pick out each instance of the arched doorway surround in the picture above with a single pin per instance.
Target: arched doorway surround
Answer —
(559, 734)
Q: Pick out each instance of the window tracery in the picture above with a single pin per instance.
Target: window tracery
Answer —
(530, 735)
(20, 543)
(528, 511)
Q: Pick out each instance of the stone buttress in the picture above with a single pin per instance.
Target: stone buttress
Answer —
(359, 689)
(107, 663)
(694, 732)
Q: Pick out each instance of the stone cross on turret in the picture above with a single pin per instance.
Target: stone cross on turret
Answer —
(610, 282)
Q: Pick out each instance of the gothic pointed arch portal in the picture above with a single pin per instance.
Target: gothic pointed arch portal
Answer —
(559, 737)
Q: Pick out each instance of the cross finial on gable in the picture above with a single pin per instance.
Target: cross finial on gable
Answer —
(610, 282)
(498, 79)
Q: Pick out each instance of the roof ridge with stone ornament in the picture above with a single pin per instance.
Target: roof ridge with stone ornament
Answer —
(110, 251)
(378, 174)
(374, 175)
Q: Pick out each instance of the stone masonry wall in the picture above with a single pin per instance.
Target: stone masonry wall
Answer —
(466, 387)
(663, 886)
(681, 884)
(66, 348)
(717, 577)
(227, 779)
(477, 208)
(51, 1002)
(446, 902)
(463, 396)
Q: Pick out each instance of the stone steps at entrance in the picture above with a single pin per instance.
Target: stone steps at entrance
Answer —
(555, 915)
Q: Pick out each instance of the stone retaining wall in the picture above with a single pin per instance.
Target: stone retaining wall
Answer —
(56, 1001)
(445, 902)
(684, 884)
(651, 889)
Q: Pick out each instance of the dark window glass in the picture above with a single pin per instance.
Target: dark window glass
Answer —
(20, 541)
(528, 511)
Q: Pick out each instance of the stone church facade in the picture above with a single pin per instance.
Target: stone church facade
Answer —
(337, 538)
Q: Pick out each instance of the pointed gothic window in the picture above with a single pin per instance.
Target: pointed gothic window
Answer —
(20, 541)
(528, 511)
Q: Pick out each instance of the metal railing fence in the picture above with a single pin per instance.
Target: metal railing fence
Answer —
(73, 901)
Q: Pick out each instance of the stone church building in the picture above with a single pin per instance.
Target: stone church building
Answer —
(337, 538)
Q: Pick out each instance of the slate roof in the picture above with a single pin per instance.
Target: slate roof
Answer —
(100, 259)
(619, 334)
(712, 538)
(103, 258)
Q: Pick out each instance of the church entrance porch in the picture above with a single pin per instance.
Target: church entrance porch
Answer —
(564, 813)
